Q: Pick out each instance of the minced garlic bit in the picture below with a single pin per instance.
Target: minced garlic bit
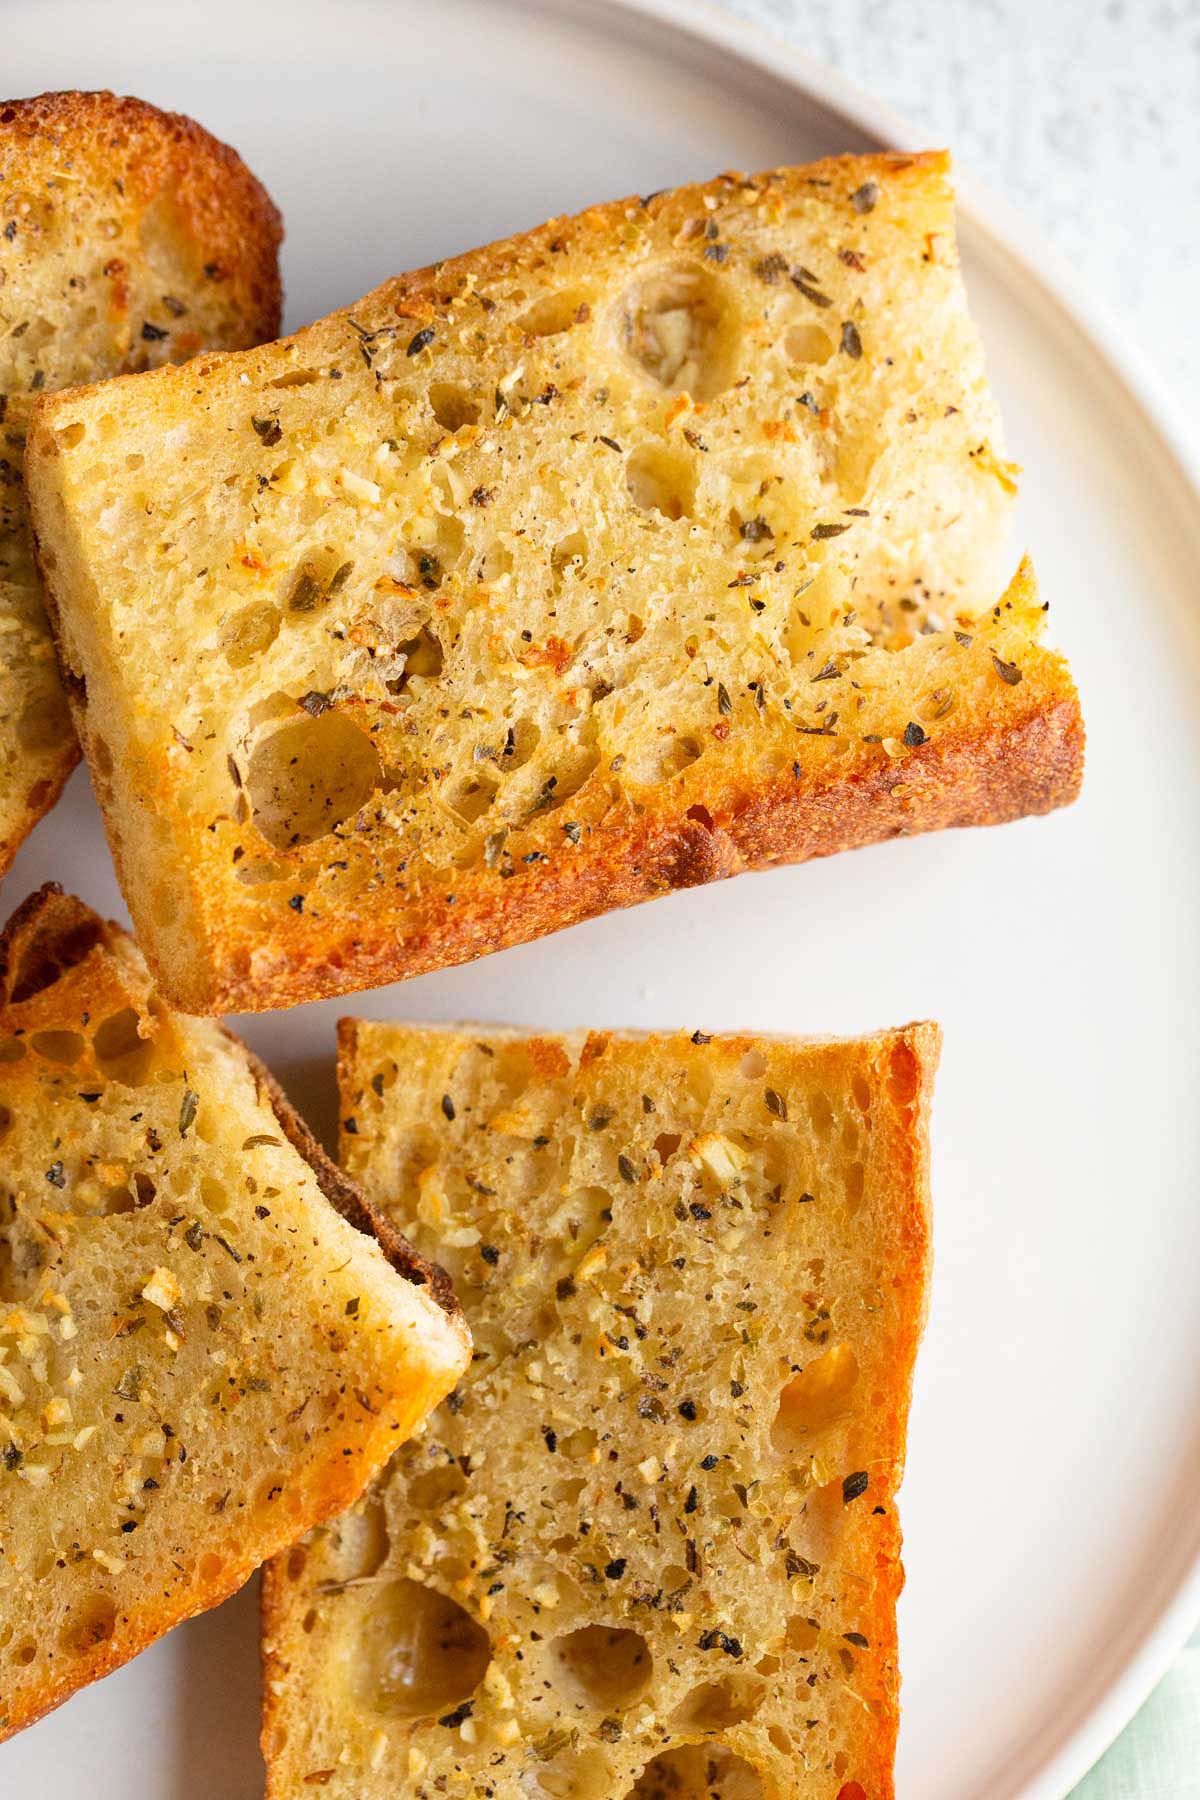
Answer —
(162, 1290)
(723, 1159)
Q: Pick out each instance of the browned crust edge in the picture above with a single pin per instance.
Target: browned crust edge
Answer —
(346, 1197)
(875, 1551)
(224, 206)
(1019, 766)
(48, 933)
(226, 210)
(42, 798)
(880, 1539)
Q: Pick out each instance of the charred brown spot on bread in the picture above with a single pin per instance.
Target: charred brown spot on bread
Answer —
(47, 935)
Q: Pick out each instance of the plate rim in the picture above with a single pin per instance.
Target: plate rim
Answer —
(1053, 1761)
(1050, 1772)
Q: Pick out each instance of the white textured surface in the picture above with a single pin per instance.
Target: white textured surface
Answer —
(1084, 114)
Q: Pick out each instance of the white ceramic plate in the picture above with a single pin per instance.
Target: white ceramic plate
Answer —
(1052, 1534)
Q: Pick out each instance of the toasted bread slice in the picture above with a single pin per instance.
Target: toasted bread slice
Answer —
(649, 1547)
(199, 1358)
(128, 237)
(634, 552)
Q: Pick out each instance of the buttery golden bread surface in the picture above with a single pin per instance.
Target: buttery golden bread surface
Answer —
(649, 1546)
(659, 543)
(199, 1357)
(128, 237)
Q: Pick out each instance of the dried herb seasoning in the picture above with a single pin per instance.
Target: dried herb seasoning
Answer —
(188, 1108)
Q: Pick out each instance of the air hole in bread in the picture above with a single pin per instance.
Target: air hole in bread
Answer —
(452, 406)
(307, 777)
(578, 1443)
(72, 435)
(212, 1193)
(716, 1705)
(117, 1200)
(210, 1566)
(25, 1652)
(11, 1050)
(855, 1182)
(854, 464)
(676, 327)
(520, 742)
(698, 1772)
(434, 559)
(819, 1396)
(664, 762)
(296, 378)
(569, 554)
(554, 314)
(666, 1144)
(423, 656)
(120, 1049)
(583, 1217)
(804, 345)
(436, 1488)
(410, 1652)
(752, 1066)
(249, 631)
(58, 1046)
(661, 481)
(471, 798)
(574, 763)
(43, 722)
(6, 1120)
(822, 1115)
(495, 561)
(601, 1666)
(93, 1623)
(573, 1775)
(362, 1541)
(862, 1094)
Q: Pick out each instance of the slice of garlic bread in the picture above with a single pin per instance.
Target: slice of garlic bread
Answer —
(199, 1356)
(128, 237)
(649, 1546)
(657, 544)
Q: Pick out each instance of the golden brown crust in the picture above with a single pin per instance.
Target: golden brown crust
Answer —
(348, 1198)
(249, 918)
(1026, 761)
(42, 797)
(225, 232)
(867, 1571)
(226, 211)
(64, 970)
